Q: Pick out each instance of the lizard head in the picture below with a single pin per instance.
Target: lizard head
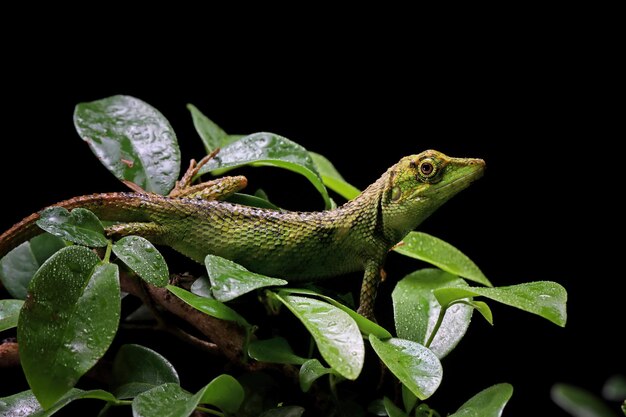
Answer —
(419, 184)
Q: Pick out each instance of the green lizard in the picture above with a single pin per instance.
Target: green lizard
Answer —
(296, 246)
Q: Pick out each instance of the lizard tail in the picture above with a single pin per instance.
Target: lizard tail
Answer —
(109, 206)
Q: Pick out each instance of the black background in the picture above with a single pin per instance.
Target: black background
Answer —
(537, 106)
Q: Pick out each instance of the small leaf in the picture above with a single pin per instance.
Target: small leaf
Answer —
(224, 392)
(9, 312)
(336, 334)
(392, 409)
(202, 287)
(275, 350)
(25, 404)
(614, 388)
(416, 310)
(143, 258)
(213, 308)
(408, 399)
(137, 369)
(268, 149)
(366, 326)
(132, 139)
(230, 280)
(487, 403)
(252, 201)
(443, 255)
(332, 178)
(544, 298)
(579, 402)
(483, 309)
(68, 321)
(310, 371)
(18, 266)
(80, 226)
(211, 134)
(414, 365)
(287, 411)
(167, 400)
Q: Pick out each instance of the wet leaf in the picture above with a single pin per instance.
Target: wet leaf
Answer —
(211, 134)
(68, 321)
(332, 178)
(137, 369)
(268, 149)
(443, 255)
(579, 402)
(416, 310)
(25, 404)
(9, 312)
(487, 403)
(366, 326)
(167, 400)
(18, 266)
(143, 258)
(544, 298)
(132, 139)
(274, 350)
(336, 334)
(310, 371)
(229, 280)
(414, 365)
(286, 411)
(170, 400)
(213, 308)
(80, 226)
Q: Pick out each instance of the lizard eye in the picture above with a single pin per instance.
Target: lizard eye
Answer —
(426, 169)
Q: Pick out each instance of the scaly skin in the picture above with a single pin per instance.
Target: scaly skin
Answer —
(296, 246)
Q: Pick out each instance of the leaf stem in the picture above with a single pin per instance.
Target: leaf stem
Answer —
(442, 313)
(107, 254)
(210, 411)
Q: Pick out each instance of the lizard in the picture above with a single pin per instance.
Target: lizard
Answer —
(195, 220)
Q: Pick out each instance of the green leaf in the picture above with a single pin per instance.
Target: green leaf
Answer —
(80, 226)
(286, 411)
(202, 287)
(213, 308)
(336, 334)
(211, 134)
(443, 255)
(137, 369)
(19, 265)
(167, 400)
(483, 309)
(132, 139)
(143, 258)
(230, 280)
(274, 350)
(332, 178)
(392, 409)
(252, 201)
(544, 298)
(224, 392)
(268, 149)
(366, 326)
(9, 312)
(25, 404)
(68, 321)
(614, 388)
(170, 400)
(487, 403)
(416, 310)
(414, 365)
(409, 400)
(579, 402)
(310, 371)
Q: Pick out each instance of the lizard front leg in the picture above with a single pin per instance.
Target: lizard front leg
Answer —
(371, 279)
